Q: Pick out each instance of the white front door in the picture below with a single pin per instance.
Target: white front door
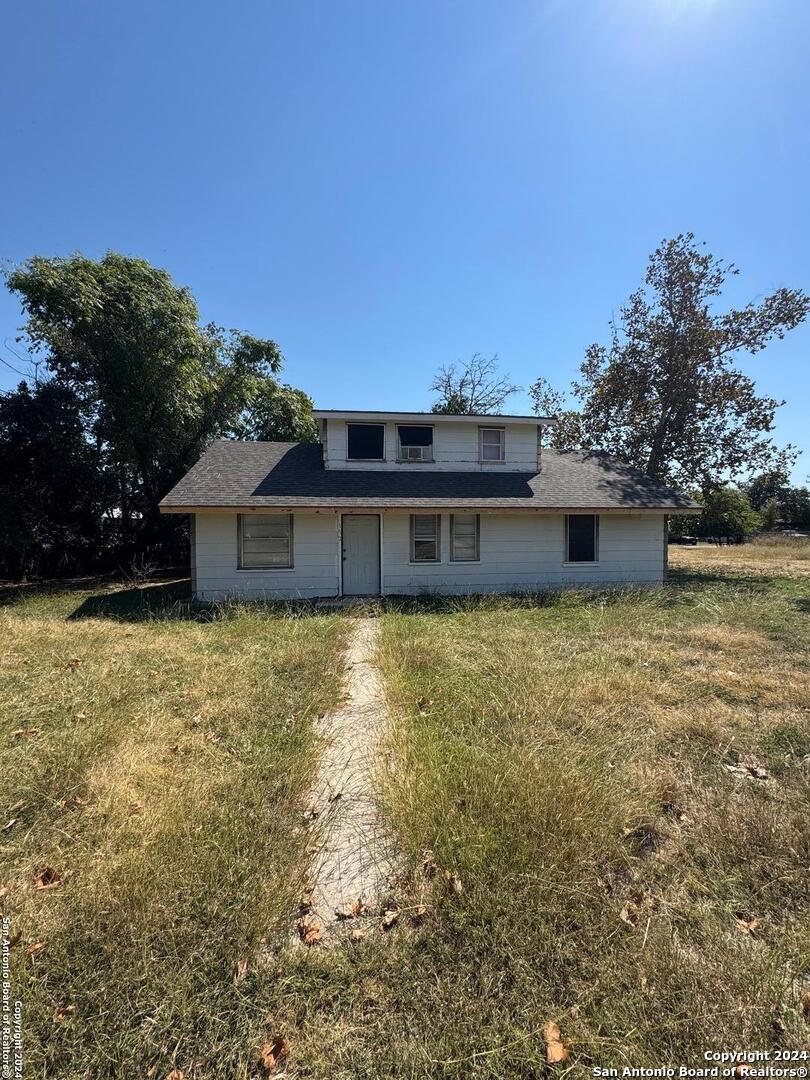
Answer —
(361, 554)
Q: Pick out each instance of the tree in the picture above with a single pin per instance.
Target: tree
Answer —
(55, 499)
(278, 413)
(153, 386)
(767, 487)
(727, 513)
(665, 394)
(473, 388)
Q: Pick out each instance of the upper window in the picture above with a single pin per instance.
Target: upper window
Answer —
(491, 442)
(265, 541)
(425, 537)
(415, 442)
(366, 442)
(465, 531)
(581, 538)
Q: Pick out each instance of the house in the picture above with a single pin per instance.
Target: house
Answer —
(415, 503)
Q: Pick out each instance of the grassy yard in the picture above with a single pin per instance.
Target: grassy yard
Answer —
(152, 769)
(601, 803)
(618, 786)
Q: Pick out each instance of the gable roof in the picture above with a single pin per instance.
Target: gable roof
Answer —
(257, 475)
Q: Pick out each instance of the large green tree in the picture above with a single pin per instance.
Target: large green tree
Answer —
(153, 386)
(665, 394)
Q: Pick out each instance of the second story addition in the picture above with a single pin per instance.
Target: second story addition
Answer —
(413, 441)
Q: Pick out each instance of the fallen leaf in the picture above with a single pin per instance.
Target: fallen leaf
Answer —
(746, 924)
(273, 1053)
(63, 1012)
(632, 909)
(176, 1074)
(80, 800)
(310, 929)
(136, 807)
(47, 878)
(556, 1050)
(241, 971)
(390, 917)
(453, 882)
(28, 732)
(34, 948)
(417, 916)
(9, 825)
(357, 934)
(74, 663)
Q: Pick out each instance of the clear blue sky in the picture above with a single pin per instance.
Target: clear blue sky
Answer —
(384, 187)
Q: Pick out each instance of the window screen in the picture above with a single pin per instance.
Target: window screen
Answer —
(582, 531)
(425, 537)
(491, 444)
(266, 541)
(366, 442)
(464, 537)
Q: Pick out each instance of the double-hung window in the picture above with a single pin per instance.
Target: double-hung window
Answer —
(425, 537)
(465, 533)
(581, 538)
(265, 541)
(365, 442)
(491, 443)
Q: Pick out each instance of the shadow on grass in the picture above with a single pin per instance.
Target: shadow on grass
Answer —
(169, 600)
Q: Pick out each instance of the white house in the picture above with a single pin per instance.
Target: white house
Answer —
(417, 503)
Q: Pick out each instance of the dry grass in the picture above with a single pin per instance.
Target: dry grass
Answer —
(775, 554)
(156, 766)
(583, 768)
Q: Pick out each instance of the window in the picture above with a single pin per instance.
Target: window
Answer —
(581, 538)
(265, 541)
(366, 442)
(415, 442)
(491, 443)
(465, 532)
(425, 537)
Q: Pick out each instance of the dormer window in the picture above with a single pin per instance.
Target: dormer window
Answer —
(491, 442)
(415, 442)
(365, 442)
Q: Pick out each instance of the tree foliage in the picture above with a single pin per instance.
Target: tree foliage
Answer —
(474, 387)
(772, 491)
(151, 386)
(665, 394)
(727, 513)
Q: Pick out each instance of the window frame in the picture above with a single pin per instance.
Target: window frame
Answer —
(477, 557)
(366, 424)
(241, 539)
(412, 552)
(491, 427)
(567, 560)
(416, 461)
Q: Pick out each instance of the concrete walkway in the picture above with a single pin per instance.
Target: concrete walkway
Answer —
(354, 862)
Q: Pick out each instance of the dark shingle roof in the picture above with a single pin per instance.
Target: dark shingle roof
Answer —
(276, 474)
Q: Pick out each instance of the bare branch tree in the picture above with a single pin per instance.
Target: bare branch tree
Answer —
(474, 388)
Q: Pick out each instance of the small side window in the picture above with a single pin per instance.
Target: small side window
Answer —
(425, 537)
(491, 444)
(465, 532)
(581, 538)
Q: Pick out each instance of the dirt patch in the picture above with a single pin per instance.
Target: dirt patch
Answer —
(355, 860)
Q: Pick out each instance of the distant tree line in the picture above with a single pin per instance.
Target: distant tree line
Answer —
(128, 389)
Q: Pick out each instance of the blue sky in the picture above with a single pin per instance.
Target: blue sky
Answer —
(384, 187)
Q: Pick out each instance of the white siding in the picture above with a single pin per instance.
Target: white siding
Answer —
(455, 448)
(315, 561)
(519, 552)
(524, 552)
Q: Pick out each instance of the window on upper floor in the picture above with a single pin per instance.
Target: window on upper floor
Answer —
(425, 537)
(265, 541)
(465, 532)
(365, 442)
(581, 538)
(491, 444)
(415, 442)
